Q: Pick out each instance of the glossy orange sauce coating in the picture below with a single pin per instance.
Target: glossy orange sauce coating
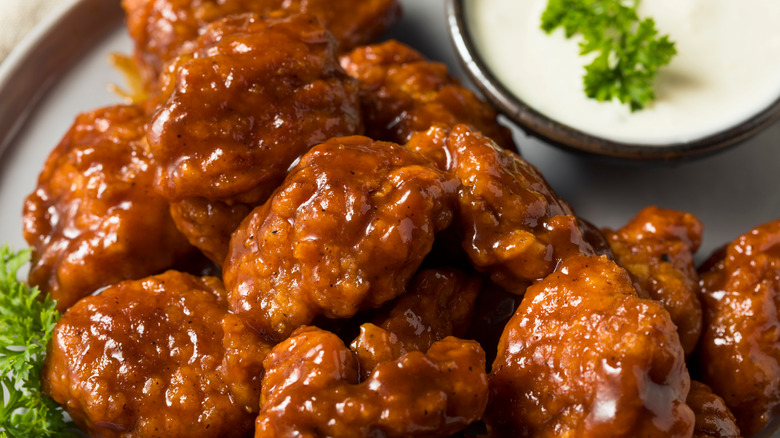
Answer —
(311, 389)
(657, 248)
(236, 114)
(94, 218)
(346, 231)
(402, 92)
(156, 358)
(585, 356)
(513, 224)
(713, 417)
(438, 303)
(740, 344)
(255, 94)
(164, 29)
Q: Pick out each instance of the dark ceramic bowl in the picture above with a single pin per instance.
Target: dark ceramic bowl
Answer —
(558, 134)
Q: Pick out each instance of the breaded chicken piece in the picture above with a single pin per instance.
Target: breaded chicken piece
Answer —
(311, 389)
(739, 350)
(657, 248)
(209, 224)
(254, 94)
(585, 356)
(94, 218)
(165, 29)
(514, 226)
(157, 357)
(438, 303)
(402, 92)
(713, 417)
(346, 231)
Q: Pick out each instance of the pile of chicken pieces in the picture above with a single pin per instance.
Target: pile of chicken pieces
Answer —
(296, 234)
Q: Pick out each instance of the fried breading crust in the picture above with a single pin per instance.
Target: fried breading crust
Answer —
(402, 92)
(311, 389)
(346, 231)
(713, 417)
(514, 226)
(164, 29)
(657, 248)
(255, 94)
(740, 344)
(94, 218)
(157, 357)
(585, 356)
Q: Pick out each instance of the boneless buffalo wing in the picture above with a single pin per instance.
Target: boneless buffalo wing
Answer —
(165, 29)
(156, 357)
(585, 356)
(740, 343)
(401, 93)
(254, 94)
(311, 388)
(383, 262)
(438, 303)
(94, 218)
(514, 226)
(713, 417)
(346, 231)
(657, 248)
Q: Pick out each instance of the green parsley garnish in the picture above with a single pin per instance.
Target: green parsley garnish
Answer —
(26, 324)
(629, 50)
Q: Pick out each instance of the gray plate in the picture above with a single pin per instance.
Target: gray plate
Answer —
(62, 69)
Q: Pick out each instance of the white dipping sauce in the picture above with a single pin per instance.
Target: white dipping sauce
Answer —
(727, 67)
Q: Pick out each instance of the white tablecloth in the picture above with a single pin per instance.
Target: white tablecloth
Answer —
(18, 17)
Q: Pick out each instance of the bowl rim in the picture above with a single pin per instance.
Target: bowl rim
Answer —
(561, 135)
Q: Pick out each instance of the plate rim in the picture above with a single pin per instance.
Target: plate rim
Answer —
(40, 59)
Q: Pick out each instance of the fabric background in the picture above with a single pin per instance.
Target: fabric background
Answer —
(18, 17)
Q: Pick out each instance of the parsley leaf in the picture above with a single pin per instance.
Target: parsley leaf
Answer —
(629, 50)
(26, 324)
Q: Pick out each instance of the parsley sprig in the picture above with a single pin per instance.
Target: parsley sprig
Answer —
(26, 324)
(630, 52)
